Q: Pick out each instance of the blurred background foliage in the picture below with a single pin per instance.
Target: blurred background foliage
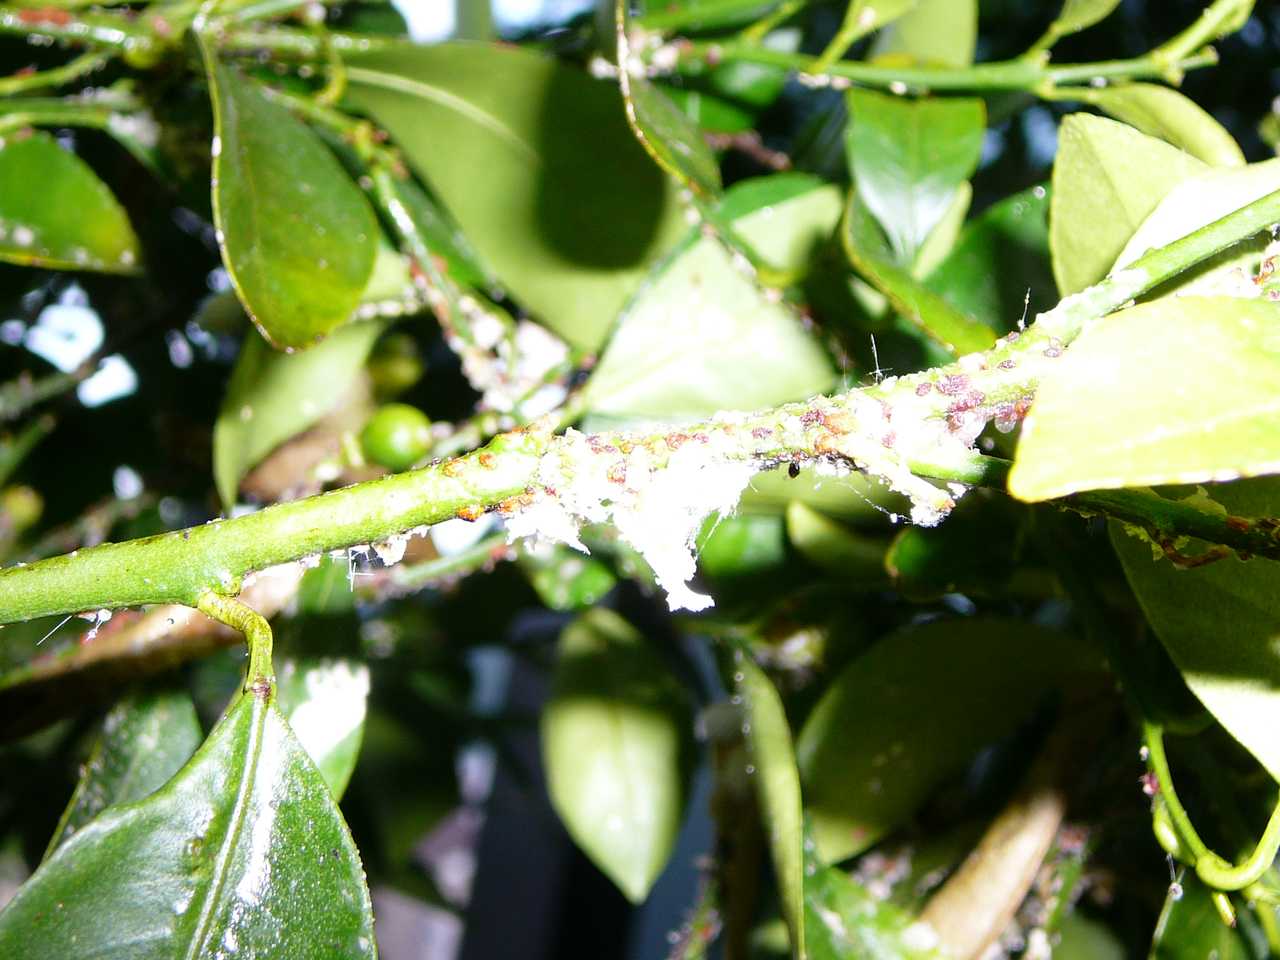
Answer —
(923, 740)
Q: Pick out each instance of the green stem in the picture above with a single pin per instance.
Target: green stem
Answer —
(258, 9)
(1220, 18)
(17, 114)
(299, 44)
(14, 452)
(20, 395)
(260, 677)
(1215, 871)
(851, 29)
(114, 31)
(1027, 75)
(68, 4)
(181, 567)
(81, 66)
(409, 577)
(1153, 736)
(758, 30)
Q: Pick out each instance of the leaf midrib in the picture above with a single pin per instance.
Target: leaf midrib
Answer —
(231, 839)
(450, 101)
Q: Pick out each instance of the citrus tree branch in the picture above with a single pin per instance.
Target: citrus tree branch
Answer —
(1030, 75)
(651, 485)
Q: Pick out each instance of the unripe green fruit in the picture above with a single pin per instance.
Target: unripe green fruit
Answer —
(396, 436)
(395, 365)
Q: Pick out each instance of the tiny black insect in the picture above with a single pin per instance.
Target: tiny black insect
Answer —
(793, 470)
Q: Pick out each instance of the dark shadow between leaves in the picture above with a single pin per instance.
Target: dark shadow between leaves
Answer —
(586, 144)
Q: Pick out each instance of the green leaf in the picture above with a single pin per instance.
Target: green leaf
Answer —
(1079, 15)
(844, 921)
(1195, 203)
(943, 237)
(868, 251)
(785, 216)
(701, 336)
(871, 15)
(563, 578)
(707, 14)
(243, 852)
(1000, 257)
(1190, 928)
(709, 111)
(371, 16)
(1221, 622)
(1198, 381)
(831, 546)
(908, 159)
(777, 786)
(443, 238)
(913, 711)
(71, 223)
(1082, 938)
(756, 85)
(324, 700)
(297, 236)
(145, 739)
(1107, 178)
(273, 396)
(668, 136)
(615, 740)
(325, 590)
(975, 551)
(1173, 117)
(944, 32)
(553, 145)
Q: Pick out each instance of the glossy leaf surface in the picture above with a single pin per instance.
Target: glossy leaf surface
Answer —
(666, 133)
(145, 740)
(670, 137)
(868, 251)
(1197, 202)
(1221, 622)
(540, 131)
(908, 159)
(777, 786)
(1106, 179)
(1172, 116)
(324, 700)
(913, 711)
(1077, 15)
(55, 212)
(934, 31)
(701, 336)
(1001, 256)
(844, 921)
(871, 15)
(243, 852)
(273, 396)
(1198, 379)
(615, 736)
(297, 236)
(709, 14)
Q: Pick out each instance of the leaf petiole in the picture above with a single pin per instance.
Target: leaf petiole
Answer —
(260, 678)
